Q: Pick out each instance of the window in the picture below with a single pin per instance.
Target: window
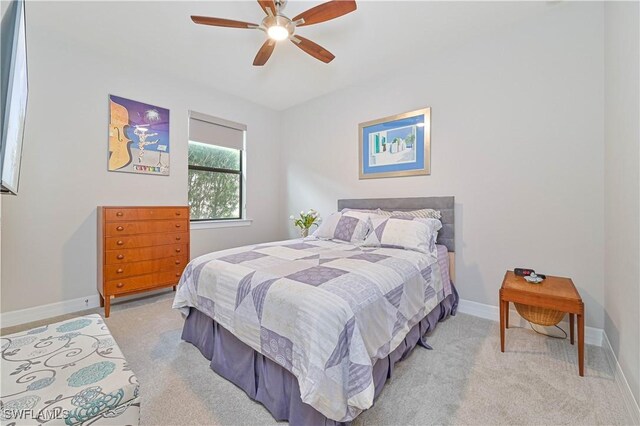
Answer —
(216, 176)
(215, 182)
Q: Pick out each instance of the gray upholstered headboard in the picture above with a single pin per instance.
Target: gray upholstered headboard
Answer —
(444, 204)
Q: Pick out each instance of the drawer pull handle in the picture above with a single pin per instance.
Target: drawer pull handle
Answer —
(120, 285)
(177, 225)
(119, 214)
(177, 213)
(178, 238)
(177, 262)
(178, 250)
(119, 228)
(120, 256)
(119, 271)
(177, 274)
(120, 242)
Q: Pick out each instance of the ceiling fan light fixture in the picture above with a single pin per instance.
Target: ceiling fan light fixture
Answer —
(278, 33)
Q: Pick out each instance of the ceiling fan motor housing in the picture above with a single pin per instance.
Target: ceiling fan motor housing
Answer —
(280, 21)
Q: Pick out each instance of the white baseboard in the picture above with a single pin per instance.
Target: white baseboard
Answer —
(23, 316)
(629, 401)
(592, 336)
(37, 313)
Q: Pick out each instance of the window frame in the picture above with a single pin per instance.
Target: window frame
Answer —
(242, 213)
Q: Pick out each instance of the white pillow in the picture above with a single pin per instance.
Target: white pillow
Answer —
(347, 209)
(344, 227)
(385, 213)
(360, 214)
(404, 232)
(422, 213)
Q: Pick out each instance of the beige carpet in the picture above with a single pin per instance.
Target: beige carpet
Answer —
(464, 380)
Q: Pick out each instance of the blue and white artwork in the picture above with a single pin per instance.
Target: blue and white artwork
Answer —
(395, 146)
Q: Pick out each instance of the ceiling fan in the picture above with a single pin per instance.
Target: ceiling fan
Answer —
(278, 27)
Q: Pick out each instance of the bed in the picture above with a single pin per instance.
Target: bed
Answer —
(311, 328)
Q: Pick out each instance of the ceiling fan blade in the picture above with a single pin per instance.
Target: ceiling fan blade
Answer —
(219, 22)
(326, 11)
(268, 4)
(313, 49)
(265, 52)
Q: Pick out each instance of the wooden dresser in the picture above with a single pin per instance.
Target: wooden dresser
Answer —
(140, 249)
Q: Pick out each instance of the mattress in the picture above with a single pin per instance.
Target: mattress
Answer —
(322, 310)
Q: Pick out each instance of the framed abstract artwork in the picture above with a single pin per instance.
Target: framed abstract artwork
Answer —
(399, 145)
(138, 137)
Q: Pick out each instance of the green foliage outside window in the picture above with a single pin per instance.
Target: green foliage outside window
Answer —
(214, 182)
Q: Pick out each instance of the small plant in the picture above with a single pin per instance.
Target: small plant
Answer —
(305, 221)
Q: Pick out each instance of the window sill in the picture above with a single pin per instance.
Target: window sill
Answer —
(212, 224)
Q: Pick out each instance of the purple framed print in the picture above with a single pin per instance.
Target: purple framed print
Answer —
(138, 137)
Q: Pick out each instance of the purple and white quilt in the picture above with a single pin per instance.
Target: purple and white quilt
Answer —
(324, 310)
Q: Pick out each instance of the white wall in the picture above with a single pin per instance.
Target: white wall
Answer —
(622, 186)
(517, 138)
(49, 230)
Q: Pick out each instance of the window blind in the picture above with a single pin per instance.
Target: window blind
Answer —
(215, 131)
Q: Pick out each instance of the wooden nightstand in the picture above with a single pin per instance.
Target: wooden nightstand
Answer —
(552, 293)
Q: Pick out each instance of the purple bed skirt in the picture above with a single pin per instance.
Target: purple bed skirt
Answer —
(274, 387)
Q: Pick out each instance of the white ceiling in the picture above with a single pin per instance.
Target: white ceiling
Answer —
(374, 40)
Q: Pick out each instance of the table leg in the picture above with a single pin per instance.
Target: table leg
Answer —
(581, 344)
(506, 314)
(571, 326)
(502, 324)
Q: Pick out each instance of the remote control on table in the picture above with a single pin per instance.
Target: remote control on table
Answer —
(523, 272)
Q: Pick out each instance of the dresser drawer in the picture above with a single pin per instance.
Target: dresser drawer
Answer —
(131, 269)
(116, 229)
(144, 253)
(144, 240)
(147, 213)
(142, 282)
